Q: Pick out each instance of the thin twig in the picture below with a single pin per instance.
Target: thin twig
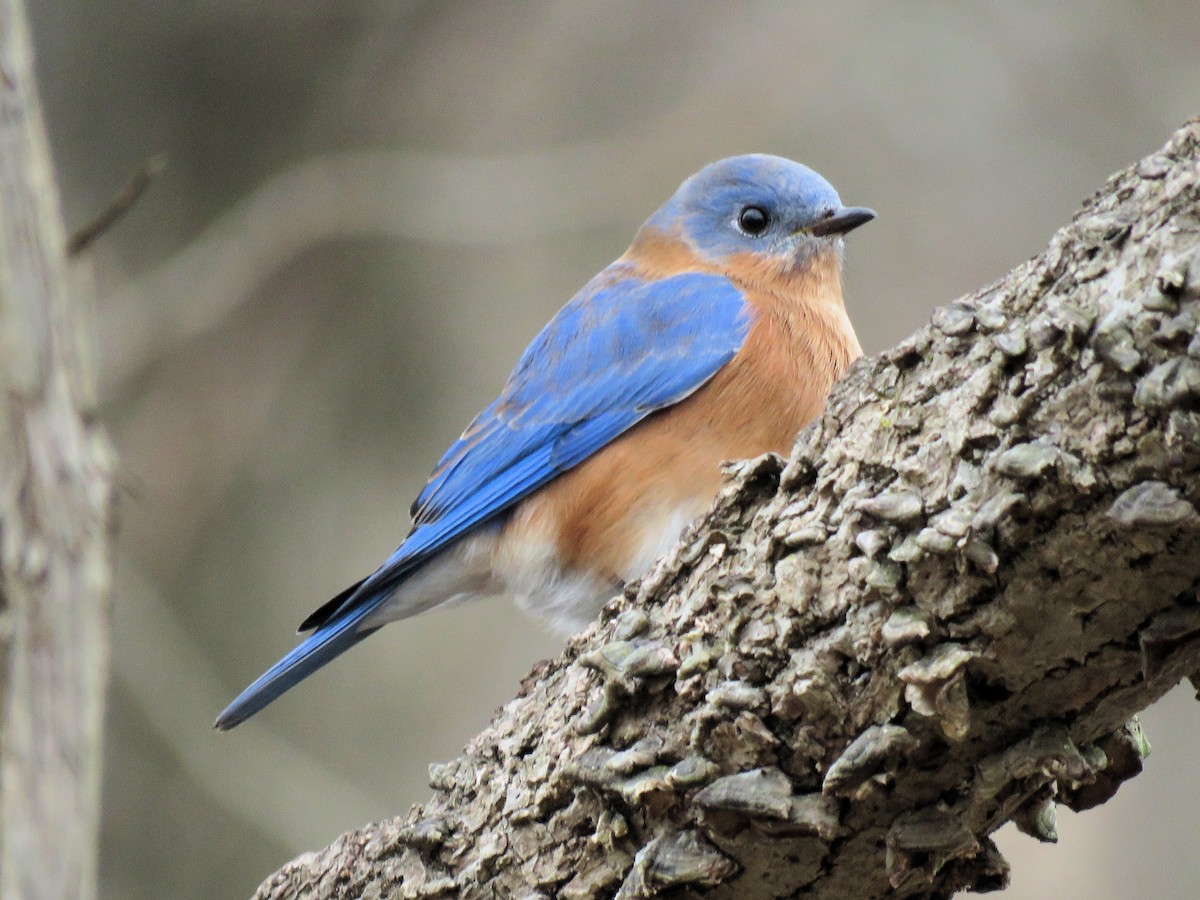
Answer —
(124, 200)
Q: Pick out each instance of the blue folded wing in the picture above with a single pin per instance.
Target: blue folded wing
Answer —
(620, 350)
(615, 354)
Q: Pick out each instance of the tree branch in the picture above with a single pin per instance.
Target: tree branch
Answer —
(56, 506)
(938, 616)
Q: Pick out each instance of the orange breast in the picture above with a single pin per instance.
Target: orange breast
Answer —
(607, 512)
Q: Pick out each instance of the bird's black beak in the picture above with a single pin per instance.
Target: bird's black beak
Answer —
(840, 221)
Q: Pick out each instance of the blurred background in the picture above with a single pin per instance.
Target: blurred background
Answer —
(367, 214)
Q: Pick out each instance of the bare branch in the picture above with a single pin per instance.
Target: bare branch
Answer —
(130, 193)
(938, 616)
(397, 193)
(56, 505)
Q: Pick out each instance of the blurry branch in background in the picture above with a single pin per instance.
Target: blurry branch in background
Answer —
(940, 615)
(84, 237)
(56, 508)
(405, 195)
(263, 787)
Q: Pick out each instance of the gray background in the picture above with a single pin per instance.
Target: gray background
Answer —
(367, 215)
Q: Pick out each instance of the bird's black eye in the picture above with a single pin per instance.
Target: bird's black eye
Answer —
(753, 220)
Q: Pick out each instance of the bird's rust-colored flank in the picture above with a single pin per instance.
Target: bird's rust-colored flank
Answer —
(800, 342)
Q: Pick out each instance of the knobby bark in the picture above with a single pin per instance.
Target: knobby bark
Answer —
(939, 615)
(56, 506)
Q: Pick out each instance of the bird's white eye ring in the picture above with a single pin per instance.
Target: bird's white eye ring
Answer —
(754, 220)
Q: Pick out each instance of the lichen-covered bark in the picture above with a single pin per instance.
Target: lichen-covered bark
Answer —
(939, 615)
(56, 507)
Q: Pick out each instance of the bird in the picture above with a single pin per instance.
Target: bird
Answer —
(715, 336)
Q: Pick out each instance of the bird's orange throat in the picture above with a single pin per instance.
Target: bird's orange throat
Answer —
(804, 299)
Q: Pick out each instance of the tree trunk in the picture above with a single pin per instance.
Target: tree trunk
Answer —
(56, 503)
(939, 615)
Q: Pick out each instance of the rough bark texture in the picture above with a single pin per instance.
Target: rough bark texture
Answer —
(55, 518)
(939, 615)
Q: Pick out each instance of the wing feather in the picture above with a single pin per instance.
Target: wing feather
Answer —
(618, 352)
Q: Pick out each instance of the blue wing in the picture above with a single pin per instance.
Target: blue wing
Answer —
(620, 350)
(613, 355)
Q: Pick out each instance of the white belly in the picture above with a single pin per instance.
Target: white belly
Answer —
(527, 565)
(570, 598)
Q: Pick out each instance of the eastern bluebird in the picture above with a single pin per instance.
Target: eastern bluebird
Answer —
(716, 336)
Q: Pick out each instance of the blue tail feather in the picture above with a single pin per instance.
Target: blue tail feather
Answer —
(330, 640)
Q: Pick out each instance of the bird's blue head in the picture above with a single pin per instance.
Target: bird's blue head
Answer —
(760, 204)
